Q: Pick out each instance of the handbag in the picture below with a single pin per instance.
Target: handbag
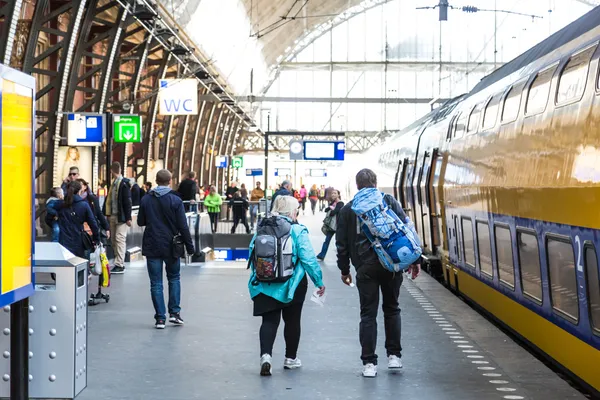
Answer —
(177, 245)
(86, 238)
(329, 223)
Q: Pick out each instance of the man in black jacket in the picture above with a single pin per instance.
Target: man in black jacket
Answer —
(371, 277)
(187, 190)
(161, 212)
(117, 207)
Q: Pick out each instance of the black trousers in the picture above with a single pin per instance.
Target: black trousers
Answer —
(236, 220)
(214, 220)
(291, 332)
(370, 280)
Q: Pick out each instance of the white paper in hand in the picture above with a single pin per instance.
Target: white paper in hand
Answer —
(320, 300)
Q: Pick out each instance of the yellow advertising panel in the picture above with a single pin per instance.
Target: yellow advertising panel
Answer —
(16, 186)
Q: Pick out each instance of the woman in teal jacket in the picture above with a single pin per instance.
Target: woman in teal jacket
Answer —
(272, 300)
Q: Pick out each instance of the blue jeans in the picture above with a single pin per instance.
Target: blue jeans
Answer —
(55, 231)
(253, 214)
(325, 247)
(155, 272)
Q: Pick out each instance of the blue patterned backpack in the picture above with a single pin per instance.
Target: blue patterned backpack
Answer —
(395, 241)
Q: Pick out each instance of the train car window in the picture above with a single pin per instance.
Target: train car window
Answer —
(529, 262)
(491, 111)
(459, 131)
(474, 119)
(468, 246)
(593, 283)
(563, 277)
(504, 255)
(512, 103)
(573, 78)
(484, 246)
(539, 91)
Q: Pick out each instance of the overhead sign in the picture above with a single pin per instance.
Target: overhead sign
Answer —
(85, 129)
(296, 149)
(254, 171)
(127, 128)
(283, 172)
(237, 162)
(324, 150)
(178, 96)
(318, 173)
(221, 161)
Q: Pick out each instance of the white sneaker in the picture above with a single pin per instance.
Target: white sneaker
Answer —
(394, 362)
(370, 371)
(265, 365)
(292, 363)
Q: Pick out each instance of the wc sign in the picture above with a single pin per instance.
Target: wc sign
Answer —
(178, 96)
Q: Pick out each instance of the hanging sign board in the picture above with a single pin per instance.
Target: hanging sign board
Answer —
(127, 128)
(85, 129)
(178, 97)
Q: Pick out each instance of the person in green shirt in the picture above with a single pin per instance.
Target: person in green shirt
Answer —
(213, 202)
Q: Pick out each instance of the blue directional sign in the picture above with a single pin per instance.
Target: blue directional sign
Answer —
(283, 171)
(221, 161)
(254, 171)
(85, 129)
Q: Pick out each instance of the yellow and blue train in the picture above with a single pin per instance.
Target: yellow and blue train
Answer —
(503, 184)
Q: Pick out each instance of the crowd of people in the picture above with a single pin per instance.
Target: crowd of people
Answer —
(277, 284)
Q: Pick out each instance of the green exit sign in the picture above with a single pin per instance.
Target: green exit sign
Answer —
(237, 162)
(127, 128)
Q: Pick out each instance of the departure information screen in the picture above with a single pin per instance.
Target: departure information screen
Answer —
(324, 150)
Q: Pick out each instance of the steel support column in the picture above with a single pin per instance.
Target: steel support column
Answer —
(9, 13)
(53, 66)
(233, 125)
(220, 129)
(196, 133)
(204, 149)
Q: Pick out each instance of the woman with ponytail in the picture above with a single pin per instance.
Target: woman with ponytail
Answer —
(72, 213)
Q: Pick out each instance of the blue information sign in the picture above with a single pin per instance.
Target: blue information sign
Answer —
(254, 171)
(85, 129)
(324, 150)
(221, 161)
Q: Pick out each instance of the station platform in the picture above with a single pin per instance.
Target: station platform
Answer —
(449, 350)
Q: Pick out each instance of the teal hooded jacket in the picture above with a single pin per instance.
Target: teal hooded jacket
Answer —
(303, 256)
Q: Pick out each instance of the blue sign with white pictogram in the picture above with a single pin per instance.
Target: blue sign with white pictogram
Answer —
(85, 129)
(254, 171)
(221, 161)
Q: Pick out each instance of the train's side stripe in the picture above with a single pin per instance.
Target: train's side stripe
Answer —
(576, 355)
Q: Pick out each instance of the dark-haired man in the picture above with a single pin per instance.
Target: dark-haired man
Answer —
(73, 175)
(163, 215)
(117, 207)
(371, 278)
(187, 190)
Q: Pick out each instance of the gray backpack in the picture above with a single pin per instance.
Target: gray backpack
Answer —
(272, 253)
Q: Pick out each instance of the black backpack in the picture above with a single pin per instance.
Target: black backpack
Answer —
(272, 252)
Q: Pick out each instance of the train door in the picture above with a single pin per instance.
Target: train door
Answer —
(397, 188)
(422, 211)
(431, 184)
(409, 204)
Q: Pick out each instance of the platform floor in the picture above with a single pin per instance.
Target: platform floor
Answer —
(450, 351)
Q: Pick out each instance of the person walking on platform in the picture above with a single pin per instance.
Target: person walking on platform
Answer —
(371, 278)
(231, 189)
(117, 208)
(303, 197)
(73, 175)
(73, 212)
(330, 221)
(213, 205)
(167, 231)
(136, 192)
(56, 195)
(94, 203)
(274, 300)
(244, 191)
(284, 190)
(313, 196)
(321, 197)
(240, 208)
(187, 190)
(255, 196)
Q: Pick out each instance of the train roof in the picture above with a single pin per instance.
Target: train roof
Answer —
(570, 32)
